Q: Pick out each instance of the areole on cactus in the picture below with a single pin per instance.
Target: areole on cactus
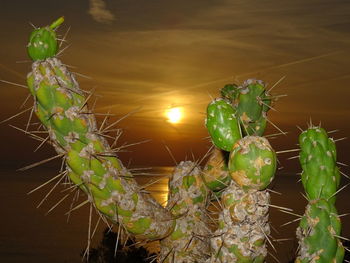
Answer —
(237, 173)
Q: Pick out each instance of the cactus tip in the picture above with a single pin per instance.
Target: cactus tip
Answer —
(57, 22)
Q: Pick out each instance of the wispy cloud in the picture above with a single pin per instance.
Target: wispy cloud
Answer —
(99, 12)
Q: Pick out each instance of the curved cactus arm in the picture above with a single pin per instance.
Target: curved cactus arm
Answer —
(187, 202)
(91, 163)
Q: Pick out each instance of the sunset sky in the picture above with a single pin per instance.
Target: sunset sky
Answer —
(152, 55)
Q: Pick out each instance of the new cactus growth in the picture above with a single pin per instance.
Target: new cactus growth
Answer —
(42, 41)
(320, 227)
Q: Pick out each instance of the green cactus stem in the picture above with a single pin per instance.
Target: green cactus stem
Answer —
(320, 227)
(318, 155)
(43, 42)
(243, 226)
(252, 163)
(222, 124)
(91, 164)
(187, 202)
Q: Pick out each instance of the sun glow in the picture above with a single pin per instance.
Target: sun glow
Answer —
(174, 115)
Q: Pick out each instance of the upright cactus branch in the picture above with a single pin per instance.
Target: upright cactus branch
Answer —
(320, 227)
(243, 223)
(91, 163)
(250, 168)
(187, 202)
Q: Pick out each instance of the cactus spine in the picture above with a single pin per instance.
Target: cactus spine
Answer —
(320, 227)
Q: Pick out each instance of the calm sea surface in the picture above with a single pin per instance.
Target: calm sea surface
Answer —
(29, 235)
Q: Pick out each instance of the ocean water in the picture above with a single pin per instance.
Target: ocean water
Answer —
(29, 235)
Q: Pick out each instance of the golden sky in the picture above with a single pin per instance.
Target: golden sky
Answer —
(152, 55)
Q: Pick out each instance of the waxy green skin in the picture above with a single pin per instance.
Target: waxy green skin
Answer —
(320, 174)
(43, 42)
(252, 163)
(222, 124)
(318, 231)
(251, 102)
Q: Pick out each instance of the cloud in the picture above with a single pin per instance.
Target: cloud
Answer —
(99, 12)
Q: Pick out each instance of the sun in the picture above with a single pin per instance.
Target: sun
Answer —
(174, 115)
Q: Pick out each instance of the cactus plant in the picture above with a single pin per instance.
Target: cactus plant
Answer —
(320, 227)
(250, 168)
(239, 170)
(90, 162)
